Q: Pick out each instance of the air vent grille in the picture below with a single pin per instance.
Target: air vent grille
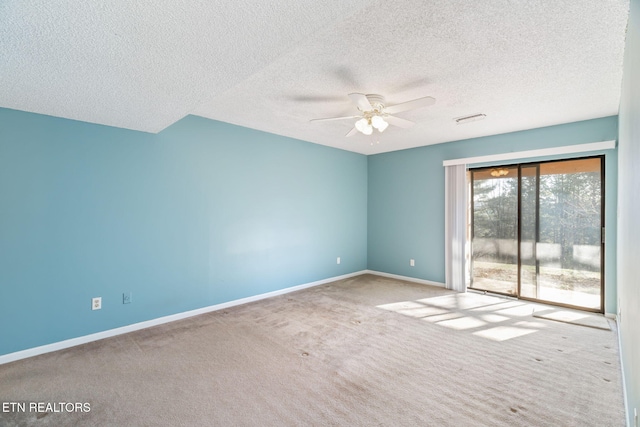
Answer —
(472, 118)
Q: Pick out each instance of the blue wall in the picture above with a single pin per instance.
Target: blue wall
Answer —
(406, 197)
(628, 216)
(207, 212)
(202, 213)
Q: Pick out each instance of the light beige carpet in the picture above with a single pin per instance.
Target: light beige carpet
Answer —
(359, 352)
(574, 317)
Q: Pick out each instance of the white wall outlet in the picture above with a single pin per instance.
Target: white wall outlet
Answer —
(96, 303)
(412, 262)
(338, 260)
(127, 297)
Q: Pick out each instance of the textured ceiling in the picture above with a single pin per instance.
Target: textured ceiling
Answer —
(273, 66)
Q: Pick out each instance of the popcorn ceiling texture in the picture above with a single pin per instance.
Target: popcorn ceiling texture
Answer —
(273, 66)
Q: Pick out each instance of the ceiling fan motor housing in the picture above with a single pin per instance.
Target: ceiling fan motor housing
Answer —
(376, 101)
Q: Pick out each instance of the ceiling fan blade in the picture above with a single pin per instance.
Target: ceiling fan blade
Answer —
(397, 121)
(361, 101)
(352, 132)
(334, 118)
(410, 105)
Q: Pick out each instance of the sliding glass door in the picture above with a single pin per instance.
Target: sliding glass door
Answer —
(494, 264)
(537, 231)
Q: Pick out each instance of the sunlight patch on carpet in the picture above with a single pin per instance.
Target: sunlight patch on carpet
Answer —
(503, 333)
(518, 311)
(493, 318)
(574, 318)
(462, 323)
(422, 311)
(442, 317)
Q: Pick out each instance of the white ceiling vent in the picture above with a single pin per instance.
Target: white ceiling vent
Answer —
(469, 119)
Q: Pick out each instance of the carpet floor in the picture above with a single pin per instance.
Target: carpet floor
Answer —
(359, 352)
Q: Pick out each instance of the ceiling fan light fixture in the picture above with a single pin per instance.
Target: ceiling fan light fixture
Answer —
(364, 126)
(498, 172)
(379, 123)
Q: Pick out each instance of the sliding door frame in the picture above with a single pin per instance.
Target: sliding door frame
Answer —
(519, 166)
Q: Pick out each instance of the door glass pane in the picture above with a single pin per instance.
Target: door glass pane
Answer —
(494, 246)
(528, 231)
(569, 245)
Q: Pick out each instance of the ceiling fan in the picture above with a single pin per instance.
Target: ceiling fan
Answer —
(374, 114)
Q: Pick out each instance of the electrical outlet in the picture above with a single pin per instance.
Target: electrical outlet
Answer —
(412, 262)
(96, 303)
(127, 297)
(338, 260)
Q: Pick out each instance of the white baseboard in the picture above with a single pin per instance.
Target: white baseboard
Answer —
(405, 278)
(48, 348)
(627, 414)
